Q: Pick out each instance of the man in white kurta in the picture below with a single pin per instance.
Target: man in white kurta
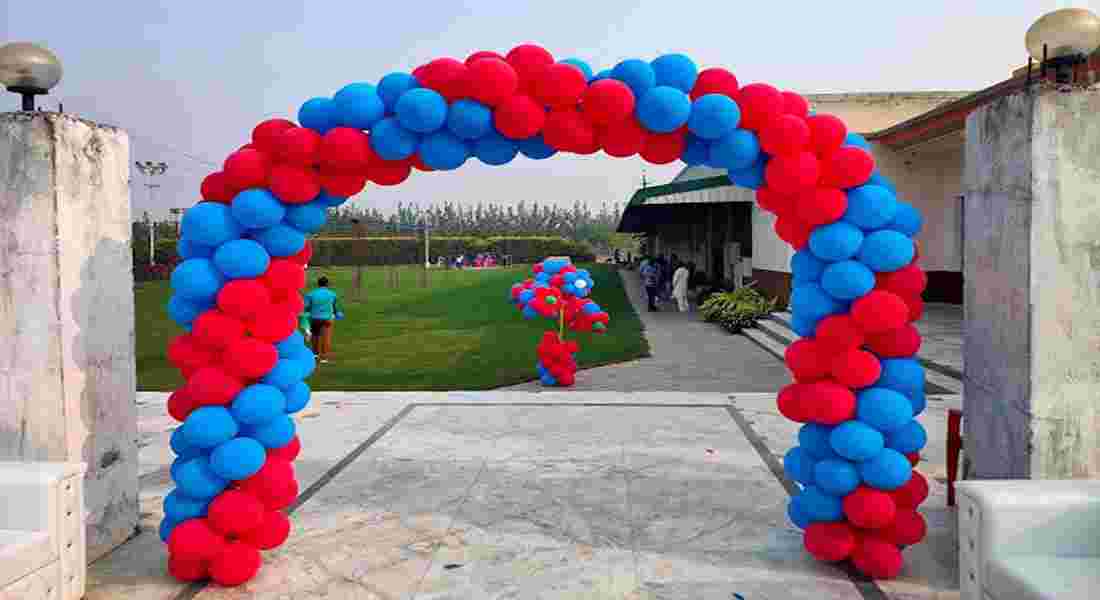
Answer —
(680, 287)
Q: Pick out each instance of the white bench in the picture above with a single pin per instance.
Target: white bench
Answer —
(1029, 539)
(42, 551)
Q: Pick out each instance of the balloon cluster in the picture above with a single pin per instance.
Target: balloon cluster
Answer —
(557, 360)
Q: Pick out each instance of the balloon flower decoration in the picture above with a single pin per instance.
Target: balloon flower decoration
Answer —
(559, 291)
(857, 282)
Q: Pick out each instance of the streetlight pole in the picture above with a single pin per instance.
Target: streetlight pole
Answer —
(151, 169)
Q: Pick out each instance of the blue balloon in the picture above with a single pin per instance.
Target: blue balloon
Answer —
(536, 148)
(359, 106)
(805, 267)
(166, 527)
(804, 325)
(319, 114)
(797, 514)
(908, 438)
(208, 426)
(919, 403)
(421, 110)
(907, 220)
(540, 368)
(179, 508)
(836, 241)
(821, 507)
(811, 301)
(176, 466)
(877, 178)
(241, 259)
(737, 150)
(604, 74)
(257, 208)
(188, 249)
(883, 409)
(280, 240)
(580, 64)
(751, 178)
(327, 199)
(307, 218)
(886, 250)
(443, 151)
(210, 224)
(854, 139)
(676, 71)
(847, 280)
(836, 477)
(714, 116)
(391, 141)
(284, 374)
(529, 313)
(179, 444)
(196, 479)
(663, 109)
(548, 379)
(696, 151)
(905, 375)
(237, 459)
(870, 207)
(291, 345)
(888, 470)
(196, 279)
(392, 86)
(799, 466)
(591, 308)
(856, 441)
(297, 397)
(637, 74)
(184, 311)
(276, 433)
(469, 119)
(258, 404)
(308, 362)
(526, 296)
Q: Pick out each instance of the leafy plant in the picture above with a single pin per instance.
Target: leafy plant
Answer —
(738, 309)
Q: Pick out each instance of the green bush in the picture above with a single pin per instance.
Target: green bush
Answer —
(738, 309)
(347, 252)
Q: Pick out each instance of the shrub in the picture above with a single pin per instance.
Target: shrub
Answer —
(738, 309)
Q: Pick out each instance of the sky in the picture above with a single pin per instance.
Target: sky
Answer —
(189, 80)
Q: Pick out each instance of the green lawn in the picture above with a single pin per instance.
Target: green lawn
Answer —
(458, 333)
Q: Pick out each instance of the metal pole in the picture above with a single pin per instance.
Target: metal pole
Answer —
(152, 243)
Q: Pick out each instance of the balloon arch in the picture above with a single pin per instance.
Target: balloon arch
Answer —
(857, 286)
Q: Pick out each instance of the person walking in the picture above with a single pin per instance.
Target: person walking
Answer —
(324, 308)
(651, 279)
(680, 287)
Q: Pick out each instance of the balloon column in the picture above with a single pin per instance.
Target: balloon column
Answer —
(559, 291)
(857, 283)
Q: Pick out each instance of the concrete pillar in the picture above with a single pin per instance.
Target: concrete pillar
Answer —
(67, 373)
(1032, 286)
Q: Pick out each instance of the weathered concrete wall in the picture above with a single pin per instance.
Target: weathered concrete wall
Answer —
(875, 111)
(1032, 301)
(67, 372)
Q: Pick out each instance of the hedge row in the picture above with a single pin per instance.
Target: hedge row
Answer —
(344, 252)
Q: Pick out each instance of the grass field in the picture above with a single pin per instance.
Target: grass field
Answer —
(457, 333)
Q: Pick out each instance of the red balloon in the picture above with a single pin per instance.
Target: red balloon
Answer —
(831, 402)
(714, 81)
(839, 333)
(794, 403)
(271, 533)
(830, 542)
(559, 85)
(914, 458)
(342, 185)
(482, 54)
(265, 136)
(785, 134)
(492, 80)
(909, 280)
(607, 101)
(879, 311)
(180, 404)
(907, 529)
(519, 117)
(794, 232)
(185, 352)
(902, 342)
(390, 172)
(760, 103)
(240, 298)
(877, 559)
(194, 540)
(794, 104)
(346, 150)
(252, 358)
(217, 188)
(821, 205)
(303, 255)
(528, 60)
(827, 133)
(273, 324)
(869, 508)
(187, 570)
(418, 164)
(211, 386)
(913, 493)
(916, 307)
(774, 202)
(237, 563)
(807, 361)
(272, 483)
(623, 138)
(856, 368)
(592, 147)
(663, 148)
(847, 167)
(284, 275)
(216, 330)
(234, 512)
(567, 130)
(447, 76)
(793, 173)
(298, 146)
(294, 185)
(247, 169)
(291, 302)
(288, 452)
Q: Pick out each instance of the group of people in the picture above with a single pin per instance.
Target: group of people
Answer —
(665, 280)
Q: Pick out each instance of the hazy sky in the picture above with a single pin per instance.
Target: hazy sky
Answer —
(188, 80)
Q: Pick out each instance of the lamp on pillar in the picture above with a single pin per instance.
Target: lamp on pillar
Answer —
(1063, 39)
(28, 70)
